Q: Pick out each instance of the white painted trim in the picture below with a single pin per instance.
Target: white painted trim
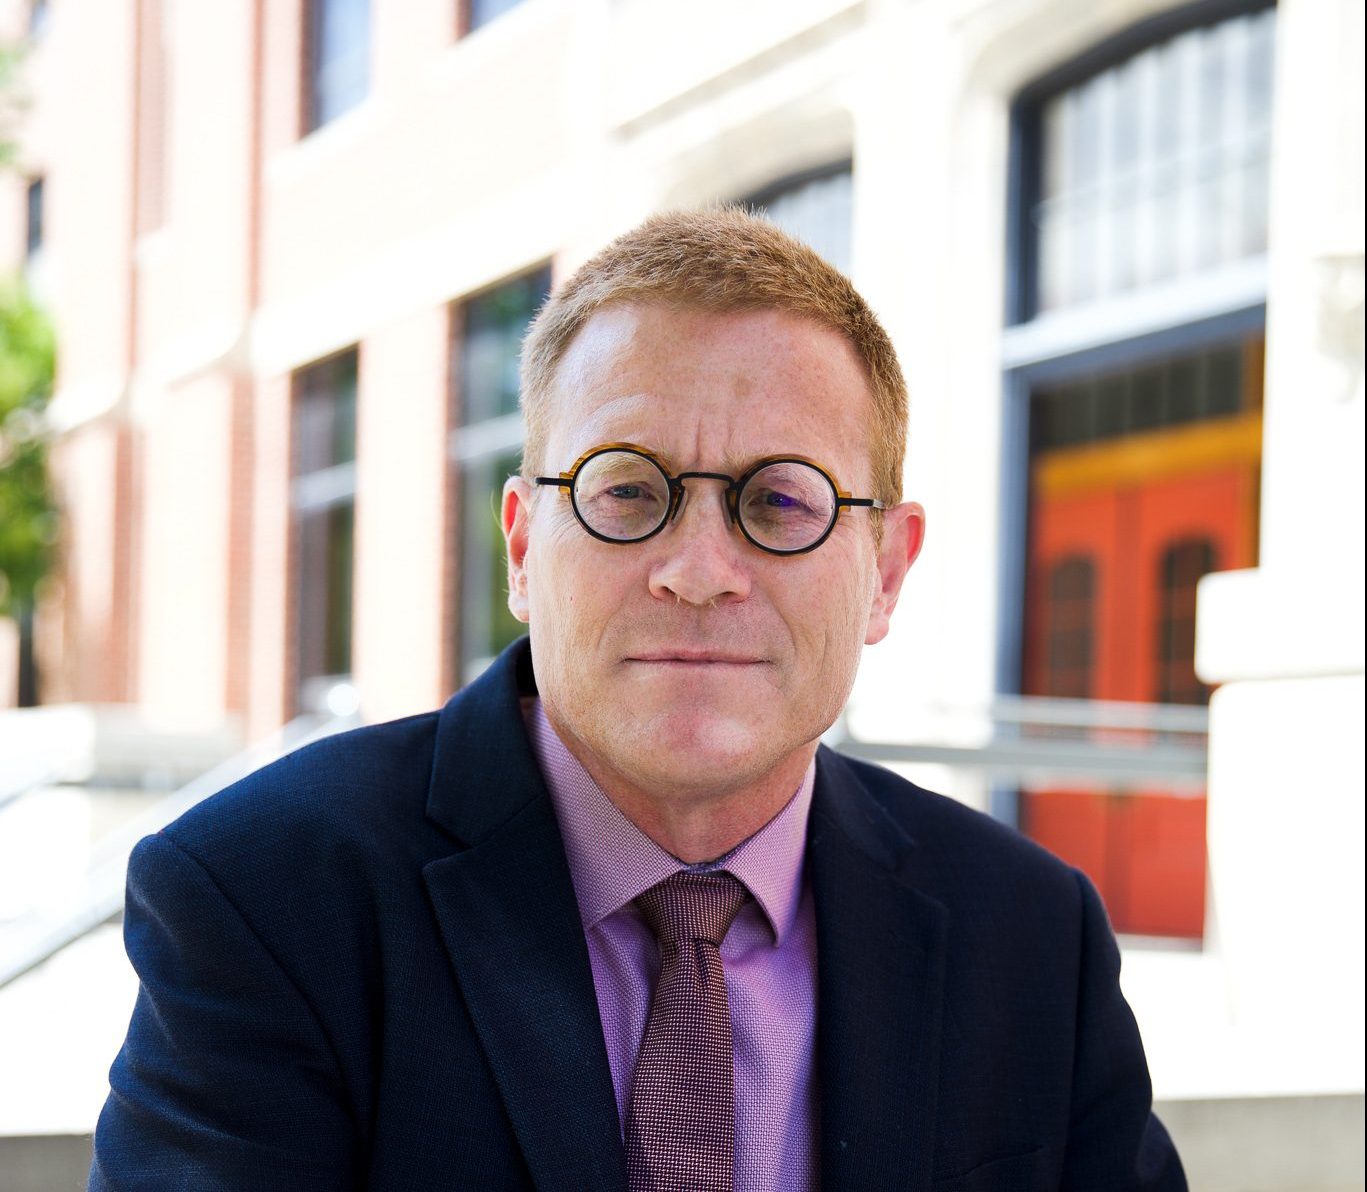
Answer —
(75, 404)
(492, 437)
(1178, 303)
(422, 271)
(318, 490)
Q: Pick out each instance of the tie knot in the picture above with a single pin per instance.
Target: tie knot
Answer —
(692, 906)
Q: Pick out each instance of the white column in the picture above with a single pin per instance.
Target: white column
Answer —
(1286, 638)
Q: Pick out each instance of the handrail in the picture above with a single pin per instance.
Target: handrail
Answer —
(1114, 746)
(41, 933)
(1102, 744)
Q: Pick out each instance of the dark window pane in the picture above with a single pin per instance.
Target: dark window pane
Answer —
(324, 577)
(338, 58)
(1170, 392)
(488, 350)
(484, 11)
(1223, 382)
(493, 325)
(1146, 392)
(1069, 630)
(1112, 415)
(341, 522)
(816, 209)
(1183, 564)
(34, 238)
(324, 433)
(1068, 415)
(486, 624)
(1149, 408)
(325, 414)
(1186, 393)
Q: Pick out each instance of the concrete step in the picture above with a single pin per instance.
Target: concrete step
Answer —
(1270, 1144)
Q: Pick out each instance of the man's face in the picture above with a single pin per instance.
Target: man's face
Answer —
(693, 661)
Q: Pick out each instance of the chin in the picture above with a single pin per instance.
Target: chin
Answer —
(694, 747)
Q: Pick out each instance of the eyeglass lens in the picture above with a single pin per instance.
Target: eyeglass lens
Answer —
(785, 506)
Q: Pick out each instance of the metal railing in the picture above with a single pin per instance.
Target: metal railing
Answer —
(1033, 740)
(36, 935)
(1025, 740)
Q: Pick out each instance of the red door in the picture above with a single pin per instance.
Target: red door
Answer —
(1110, 615)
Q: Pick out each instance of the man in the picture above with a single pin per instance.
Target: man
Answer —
(611, 919)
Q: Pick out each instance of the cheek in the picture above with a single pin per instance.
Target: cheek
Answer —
(574, 593)
(845, 627)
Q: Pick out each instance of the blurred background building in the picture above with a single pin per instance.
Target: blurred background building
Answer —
(290, 247)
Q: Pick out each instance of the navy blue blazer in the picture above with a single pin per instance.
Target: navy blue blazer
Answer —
(363, 967)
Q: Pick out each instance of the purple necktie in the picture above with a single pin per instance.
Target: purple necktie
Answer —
(681, 1118)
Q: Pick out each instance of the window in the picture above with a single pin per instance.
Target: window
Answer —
(1183, 564)
(478, 13)
(486, 449)
(1070, 631)
(1133, 380)
(1136, 289)
(1156, 167)
(337, 50)
(1172, 391)
(35, 256)
(33, 240)
(816, 207)
(323, 497)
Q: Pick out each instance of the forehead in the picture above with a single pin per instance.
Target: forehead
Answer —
(727, 387)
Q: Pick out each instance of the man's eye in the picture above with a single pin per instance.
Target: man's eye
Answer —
(626, 492)
(772, 500)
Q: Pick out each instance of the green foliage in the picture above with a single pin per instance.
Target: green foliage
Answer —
(28, 509)
(13, 101)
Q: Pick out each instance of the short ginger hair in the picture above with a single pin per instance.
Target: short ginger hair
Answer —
(719, 261)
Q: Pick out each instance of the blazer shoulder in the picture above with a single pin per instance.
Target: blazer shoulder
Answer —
(346, 786)
(949, 838)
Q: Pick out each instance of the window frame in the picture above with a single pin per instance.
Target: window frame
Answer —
(309, 65)
(318, 492)
(1025, 175)
(1186, 315)
(35, 197)
(759, 200)
(465, 17)
(473, 445)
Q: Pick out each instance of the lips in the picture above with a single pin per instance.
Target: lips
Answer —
(682, 657)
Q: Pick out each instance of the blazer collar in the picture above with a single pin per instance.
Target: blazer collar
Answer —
(506, 910)
(508, 916)
(880, 984)
(480, 733)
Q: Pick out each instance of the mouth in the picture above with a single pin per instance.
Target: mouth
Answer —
(694, 658)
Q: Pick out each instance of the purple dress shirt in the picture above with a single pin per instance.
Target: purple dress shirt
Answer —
(769, 957)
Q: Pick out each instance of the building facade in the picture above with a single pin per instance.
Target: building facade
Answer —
(291, 247)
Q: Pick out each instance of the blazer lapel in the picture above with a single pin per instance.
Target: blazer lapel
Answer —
(880, 978)
(508, 917)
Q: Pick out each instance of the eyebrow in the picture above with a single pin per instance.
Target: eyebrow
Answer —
(731, 462)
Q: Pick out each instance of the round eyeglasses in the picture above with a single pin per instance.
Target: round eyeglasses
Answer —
(783, 504)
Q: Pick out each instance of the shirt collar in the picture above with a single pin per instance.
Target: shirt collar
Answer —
(612, 861)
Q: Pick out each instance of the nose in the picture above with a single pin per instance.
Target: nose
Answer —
(701, 556)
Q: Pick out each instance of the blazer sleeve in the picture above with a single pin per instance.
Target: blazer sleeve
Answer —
(226, 1079)
(1115, 1144)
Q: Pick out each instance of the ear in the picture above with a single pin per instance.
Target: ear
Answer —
(904, 530)
(517, 512)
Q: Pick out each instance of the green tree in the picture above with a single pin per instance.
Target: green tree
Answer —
(28, 509)
(13, 102)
